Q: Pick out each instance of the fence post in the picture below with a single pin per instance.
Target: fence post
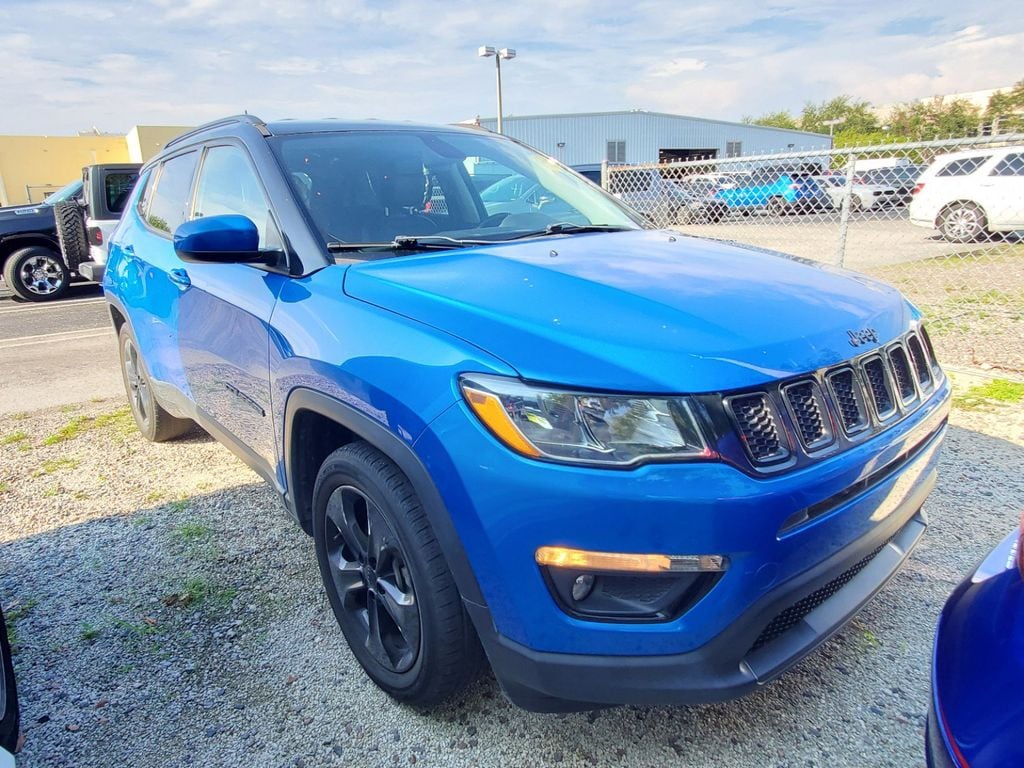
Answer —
(844, 211)
(604, 174)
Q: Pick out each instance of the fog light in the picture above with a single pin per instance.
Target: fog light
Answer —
(582, 586)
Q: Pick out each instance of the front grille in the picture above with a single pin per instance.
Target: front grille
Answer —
(920, 360)
(792, 422)
(809, 416)
(757, 426)
(793, 615)
(901, 373)
(849, 401)
(878, 384)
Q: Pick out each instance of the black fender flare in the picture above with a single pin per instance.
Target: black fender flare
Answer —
(364, 427)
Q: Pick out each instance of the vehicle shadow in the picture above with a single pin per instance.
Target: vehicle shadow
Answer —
(195, 631)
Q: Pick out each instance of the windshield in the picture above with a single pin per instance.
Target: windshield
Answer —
(67, 192)
(375, 186)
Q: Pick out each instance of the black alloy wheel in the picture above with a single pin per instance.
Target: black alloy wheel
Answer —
(387, 579)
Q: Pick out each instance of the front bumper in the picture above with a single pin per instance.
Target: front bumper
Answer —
(726, 667)
(504, 507)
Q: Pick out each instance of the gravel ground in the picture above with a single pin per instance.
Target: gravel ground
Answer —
(166, 613)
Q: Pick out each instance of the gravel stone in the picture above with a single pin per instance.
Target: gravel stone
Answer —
(97, 531)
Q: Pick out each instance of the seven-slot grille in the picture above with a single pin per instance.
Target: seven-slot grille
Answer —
(756, 421)
(855, 396)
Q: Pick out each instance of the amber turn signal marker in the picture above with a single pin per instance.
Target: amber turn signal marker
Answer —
(491, 412)
(579, 559)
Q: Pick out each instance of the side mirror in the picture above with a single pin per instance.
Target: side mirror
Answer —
(227, 239)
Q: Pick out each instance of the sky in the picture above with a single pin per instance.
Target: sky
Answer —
(73, 65)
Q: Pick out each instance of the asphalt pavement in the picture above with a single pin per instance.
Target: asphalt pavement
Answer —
(56, 353)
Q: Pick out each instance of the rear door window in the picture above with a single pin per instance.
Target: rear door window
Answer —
(169, 203)
(1011, 165)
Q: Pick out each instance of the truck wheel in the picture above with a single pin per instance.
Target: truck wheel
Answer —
(856, 204)
(962, 223)
(155, 423)
(37, 273)
(70, 220)
(387, 580)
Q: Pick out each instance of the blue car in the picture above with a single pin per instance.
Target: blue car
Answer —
(618, 464)
(976, 718)
(777, 192)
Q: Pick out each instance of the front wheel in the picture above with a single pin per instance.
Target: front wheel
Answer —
(387, 581)
(37, 274)
(777, 206)
(962, 223)
(155, 423)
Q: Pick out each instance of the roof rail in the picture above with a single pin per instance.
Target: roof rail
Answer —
(246, 118)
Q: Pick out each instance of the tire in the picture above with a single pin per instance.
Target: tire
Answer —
(37, 273)
(856, 204)
(154, 423)
(776, 206)
(962, 223)
(684, 215)
(387, 580)
(70, 220)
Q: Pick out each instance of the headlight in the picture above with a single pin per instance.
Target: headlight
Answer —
(581, 427)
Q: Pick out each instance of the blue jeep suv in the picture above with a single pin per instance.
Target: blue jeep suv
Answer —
(619, 465)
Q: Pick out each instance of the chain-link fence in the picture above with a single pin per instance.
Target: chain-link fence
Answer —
(941, 220)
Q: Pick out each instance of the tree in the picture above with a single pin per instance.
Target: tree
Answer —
(1005, 110)
(935, 118)
(856, 115)
(780, 119)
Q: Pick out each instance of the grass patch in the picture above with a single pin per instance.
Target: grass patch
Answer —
(4, 487)
(88, 632)
(70, 408)
(199, 591)
(14, 437)
(55, 465)
(15, 614)
(192, 530)
(120, 418)
(178, 506)
(995, 391)
(52, 491)
(141, 520)
(153, 497)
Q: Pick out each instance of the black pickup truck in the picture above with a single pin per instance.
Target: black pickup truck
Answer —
(43, 245)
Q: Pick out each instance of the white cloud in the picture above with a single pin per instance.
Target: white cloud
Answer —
(183, 61)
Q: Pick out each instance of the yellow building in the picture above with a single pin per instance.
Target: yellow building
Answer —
(31, 167)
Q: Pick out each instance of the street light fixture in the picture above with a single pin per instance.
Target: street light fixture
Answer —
(486, 51)
(833, 123)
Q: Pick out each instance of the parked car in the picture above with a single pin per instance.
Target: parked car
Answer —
(901, 177)
(976, 714)
(971, 194)
(44, 248)
(661, 201)
(29, 249)
(620, 464)
(776, 193)
(862, 196)
(10, 724)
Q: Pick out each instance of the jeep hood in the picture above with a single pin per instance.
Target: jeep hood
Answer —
(640, 311)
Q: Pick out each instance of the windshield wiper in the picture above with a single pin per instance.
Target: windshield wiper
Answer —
(565, 228)
(409, 243)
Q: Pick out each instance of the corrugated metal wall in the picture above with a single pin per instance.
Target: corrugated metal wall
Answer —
(584, 137)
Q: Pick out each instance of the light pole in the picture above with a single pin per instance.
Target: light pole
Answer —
(833, 123)
(486, 51)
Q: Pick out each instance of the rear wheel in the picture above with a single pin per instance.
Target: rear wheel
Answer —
(856, 203)
(962, 223)
(387, 580)
(777, 206)
(37, 274)
(153, 421)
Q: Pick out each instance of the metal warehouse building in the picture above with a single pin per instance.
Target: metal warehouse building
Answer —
(637, 136)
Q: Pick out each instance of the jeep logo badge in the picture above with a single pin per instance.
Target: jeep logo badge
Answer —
(862, 336)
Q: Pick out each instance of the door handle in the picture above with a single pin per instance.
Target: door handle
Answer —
(180, 277)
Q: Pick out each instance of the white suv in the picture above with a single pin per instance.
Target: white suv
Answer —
(970, 194)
